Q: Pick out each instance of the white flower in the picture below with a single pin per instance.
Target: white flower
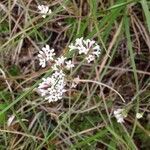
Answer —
(42, 62)
(58, 74)
(69, 65)
(139, 115)
(96, 53)
(87, 47)
(120, 115)
(97, 47)
(83, 50)
(44, 10)
(46, 54)
(79, 41)
(90, 58)
(60, 60)
(72, 47)
(89, 43)
(53, 88)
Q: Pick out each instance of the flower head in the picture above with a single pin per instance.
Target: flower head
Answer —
(60, 60)
(90, 58)
(69, 65)
(59, 63)
(88, 47)
(46, 54)
(120, 115)
(53, 88)
(44, 10)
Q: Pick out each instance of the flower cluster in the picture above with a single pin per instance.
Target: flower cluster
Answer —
(88, 47)
(120, 114)
(45, 55)
(44, 10)
(53, 88)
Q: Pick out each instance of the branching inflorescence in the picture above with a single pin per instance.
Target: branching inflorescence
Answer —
(53, 88)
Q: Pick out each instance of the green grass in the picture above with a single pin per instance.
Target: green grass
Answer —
(84, 118)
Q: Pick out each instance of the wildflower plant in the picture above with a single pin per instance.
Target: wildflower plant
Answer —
(54, 87)
(67, 95)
